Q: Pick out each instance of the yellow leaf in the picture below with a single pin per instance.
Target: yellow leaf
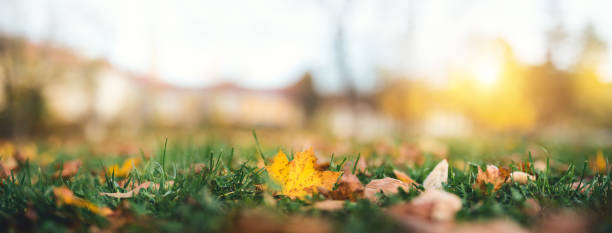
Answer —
(125, 168)
(299, 177)
(64, 196)
(600, 163)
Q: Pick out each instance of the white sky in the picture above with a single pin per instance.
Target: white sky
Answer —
(269, 43)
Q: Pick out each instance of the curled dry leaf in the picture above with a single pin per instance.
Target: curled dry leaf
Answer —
(69, 169)
(493, 175)
(437, 176)
(64, 196)
(403, 177)
(386, 185)
(521, 177)
(349, 188)
(136, 189)
(329, 205)
(299, 178)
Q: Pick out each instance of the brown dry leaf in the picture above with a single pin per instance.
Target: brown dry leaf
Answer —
(349, 188)
(64, 196)
(329, 205)
(403, 177)
(299, 178)
(136, 189)
(493, 175)
(386, 185)
(521, 177)
(437, 176)
(69, 168)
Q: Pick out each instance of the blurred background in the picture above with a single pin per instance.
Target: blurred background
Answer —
(361, 70)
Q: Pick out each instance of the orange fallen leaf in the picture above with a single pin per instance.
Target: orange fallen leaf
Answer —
(437, 176)
(493, 175)
(299, 178)
(65, 196)
(599, 164)
(403, 177)
(386, 185)
(69, 168)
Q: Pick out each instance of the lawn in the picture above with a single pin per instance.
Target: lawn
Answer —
(214, 186)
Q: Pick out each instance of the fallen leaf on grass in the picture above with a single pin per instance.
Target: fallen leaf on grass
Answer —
(299, 178)
(69, 168)
(349, 188)
(386, 185)
(444, 205)
(599, 164)
(493, 175)
(329, 205)
(136, 189)
(432, 211)
(521, 177)
(437, 176)
(403, 177)
(125, 168)
(65, 196)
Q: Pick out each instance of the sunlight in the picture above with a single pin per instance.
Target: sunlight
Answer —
(486, 71)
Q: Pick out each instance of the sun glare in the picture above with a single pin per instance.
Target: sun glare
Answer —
(486, 72)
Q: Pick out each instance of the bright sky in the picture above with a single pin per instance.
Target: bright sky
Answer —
(270, 43)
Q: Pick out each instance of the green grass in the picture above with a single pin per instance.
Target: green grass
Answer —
(212, 200)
